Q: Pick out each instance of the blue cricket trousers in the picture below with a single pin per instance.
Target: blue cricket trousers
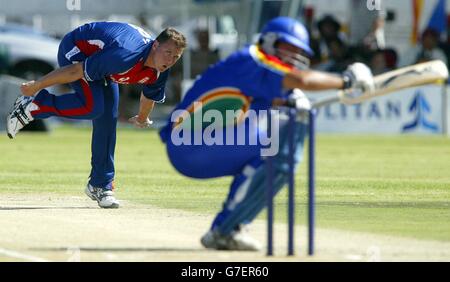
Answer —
(97, 101)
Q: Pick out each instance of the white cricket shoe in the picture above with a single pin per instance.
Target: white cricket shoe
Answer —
(104, 197)
(236, 241)
(20, 115)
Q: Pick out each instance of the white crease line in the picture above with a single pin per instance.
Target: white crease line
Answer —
(18, 255)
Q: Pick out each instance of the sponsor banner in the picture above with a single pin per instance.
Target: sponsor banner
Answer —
(419, 110)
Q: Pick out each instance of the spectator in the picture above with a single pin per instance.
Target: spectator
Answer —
(203, 56)
(338, 57)
(391, 58)
(383, 60)
(427, 50)
(357, 53)
(329, 29)
(375, 38)
(367, 25)
(377, 62)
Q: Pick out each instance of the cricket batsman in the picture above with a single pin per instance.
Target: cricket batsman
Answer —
(254, 77)
(94, 59)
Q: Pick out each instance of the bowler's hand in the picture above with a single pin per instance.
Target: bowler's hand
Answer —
(140, 123)
(29, 88)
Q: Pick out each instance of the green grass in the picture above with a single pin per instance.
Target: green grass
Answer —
(396, 185)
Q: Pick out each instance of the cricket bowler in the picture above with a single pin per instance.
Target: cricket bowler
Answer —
(253, 77)
(94, 59)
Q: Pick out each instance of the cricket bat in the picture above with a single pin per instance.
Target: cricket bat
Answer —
(420, 74)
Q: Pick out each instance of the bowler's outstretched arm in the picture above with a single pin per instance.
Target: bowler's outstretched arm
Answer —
(62, 75)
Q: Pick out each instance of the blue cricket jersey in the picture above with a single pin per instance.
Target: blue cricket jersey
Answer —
(249, 74)
(117, 51)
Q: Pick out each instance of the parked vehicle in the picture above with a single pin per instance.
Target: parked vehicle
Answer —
(26, 52)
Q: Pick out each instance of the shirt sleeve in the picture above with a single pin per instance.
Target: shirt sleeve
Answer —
(111, 60)
(156, 91)
(256, 74)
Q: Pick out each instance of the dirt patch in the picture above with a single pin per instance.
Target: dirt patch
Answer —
(61, 228)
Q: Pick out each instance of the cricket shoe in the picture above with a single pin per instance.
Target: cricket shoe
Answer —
(104, 197)
(20, 115)
(236, 241)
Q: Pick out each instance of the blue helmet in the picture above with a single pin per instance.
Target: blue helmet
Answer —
(287, 30)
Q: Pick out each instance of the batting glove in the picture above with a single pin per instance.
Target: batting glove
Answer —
(134, 120)
(359, 77)
(297, 99)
